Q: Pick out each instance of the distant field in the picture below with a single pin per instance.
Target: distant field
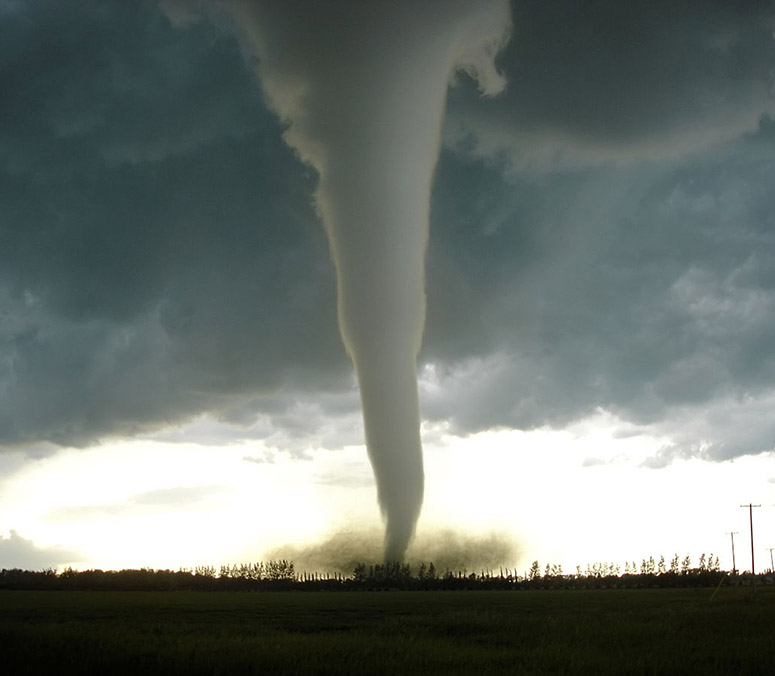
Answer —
(662, 631)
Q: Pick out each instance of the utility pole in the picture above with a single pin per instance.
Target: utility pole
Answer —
(753, 569)
(732, 537)
(772, 565)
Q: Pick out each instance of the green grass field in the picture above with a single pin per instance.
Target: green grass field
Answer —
(656, 631)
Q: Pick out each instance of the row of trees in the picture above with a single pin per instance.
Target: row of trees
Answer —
(281, 575)
(270, 575)
(707, 563)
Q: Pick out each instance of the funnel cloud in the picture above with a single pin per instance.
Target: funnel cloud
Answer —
(361, 88)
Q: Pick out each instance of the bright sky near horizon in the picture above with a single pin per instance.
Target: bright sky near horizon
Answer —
(576, 497)
(597, 376)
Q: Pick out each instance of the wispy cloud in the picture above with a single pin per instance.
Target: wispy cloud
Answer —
(180, 497)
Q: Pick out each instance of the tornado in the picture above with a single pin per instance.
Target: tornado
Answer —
(361, 88)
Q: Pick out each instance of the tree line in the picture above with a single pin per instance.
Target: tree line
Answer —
(282, 575)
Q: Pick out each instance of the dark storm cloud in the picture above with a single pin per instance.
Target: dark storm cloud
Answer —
(646, 290)
(158, 252)
(602, 235)
(624, 80)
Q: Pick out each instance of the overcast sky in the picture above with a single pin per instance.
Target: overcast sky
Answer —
(602, 237)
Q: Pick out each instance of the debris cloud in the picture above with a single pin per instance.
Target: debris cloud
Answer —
(448, 550)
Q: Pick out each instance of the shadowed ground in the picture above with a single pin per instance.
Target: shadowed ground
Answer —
(543, 632)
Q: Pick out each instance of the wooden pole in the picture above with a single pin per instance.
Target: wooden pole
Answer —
(753, 568)
(732, 536)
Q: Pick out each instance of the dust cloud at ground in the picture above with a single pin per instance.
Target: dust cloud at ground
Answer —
(447, 549)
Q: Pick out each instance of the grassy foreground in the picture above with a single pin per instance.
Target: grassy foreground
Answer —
(661, 631)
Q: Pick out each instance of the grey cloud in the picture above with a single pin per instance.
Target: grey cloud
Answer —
(643, 290)
(141, 290)
(602, 80)
(18, 552)
(161, 262)
(109, 84)
(10, 463)
(593, 462)
(288, 420)
(266, 457)
(720, 429)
